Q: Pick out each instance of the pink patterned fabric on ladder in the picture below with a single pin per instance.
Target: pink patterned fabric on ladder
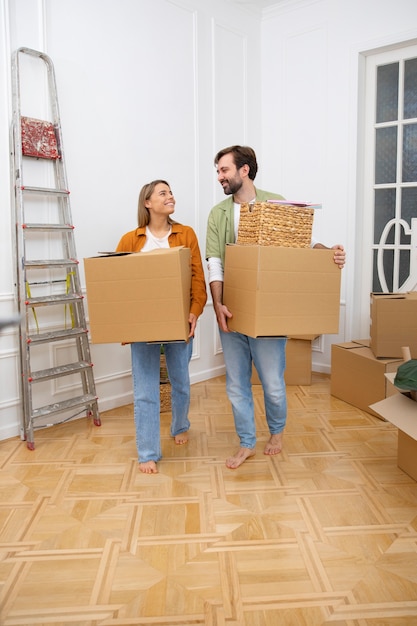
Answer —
(39, 139)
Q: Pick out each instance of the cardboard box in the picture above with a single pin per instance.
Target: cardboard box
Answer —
(298, 362)
(393, 323)
(358, 377)
(142, 296)
(401, 411)
(274, 291)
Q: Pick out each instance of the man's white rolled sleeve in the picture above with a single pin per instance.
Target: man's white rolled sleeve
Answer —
(215, 269)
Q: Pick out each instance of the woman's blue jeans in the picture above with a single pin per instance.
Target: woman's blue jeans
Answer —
(268, 356)
(146, 393)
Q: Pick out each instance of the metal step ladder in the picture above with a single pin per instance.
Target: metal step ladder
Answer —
(55, 356)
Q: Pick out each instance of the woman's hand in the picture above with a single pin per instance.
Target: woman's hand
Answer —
(192, 320)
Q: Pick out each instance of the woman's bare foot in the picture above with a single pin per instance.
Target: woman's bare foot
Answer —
(181, 439)
(239, 457)
(148, 468)
(274, 445)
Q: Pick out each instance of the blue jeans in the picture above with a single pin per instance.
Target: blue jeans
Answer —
(146, 394)
(268, 356)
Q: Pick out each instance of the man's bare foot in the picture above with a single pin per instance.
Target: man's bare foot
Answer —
(239, 457)
(148, 468)
(181, 439)
(274, 445)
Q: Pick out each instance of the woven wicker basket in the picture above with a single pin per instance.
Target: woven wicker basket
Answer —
(164, 386)
(165, 396)
(267, 224)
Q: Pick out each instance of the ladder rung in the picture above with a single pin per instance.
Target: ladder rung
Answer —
(43, 263)
(62, 298)
(57, 335)
(48, 227)
(46, 191)
(62, 370)
(59, 407)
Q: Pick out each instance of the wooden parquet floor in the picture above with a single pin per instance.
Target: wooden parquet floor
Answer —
(323, 534)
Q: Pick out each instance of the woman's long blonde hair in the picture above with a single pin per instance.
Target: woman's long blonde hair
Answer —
(145, 193)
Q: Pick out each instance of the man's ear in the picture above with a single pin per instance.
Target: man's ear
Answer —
(245, 169)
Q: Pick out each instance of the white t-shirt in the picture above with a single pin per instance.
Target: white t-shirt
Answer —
(153, 243)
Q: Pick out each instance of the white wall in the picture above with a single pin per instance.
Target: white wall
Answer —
(147, 89)
(153, 88)
(312, 92)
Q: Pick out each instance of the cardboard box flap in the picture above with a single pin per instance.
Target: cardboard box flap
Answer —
(112, 253)
(351, 345)
(407, 295)
(399, 411)
(388, 296)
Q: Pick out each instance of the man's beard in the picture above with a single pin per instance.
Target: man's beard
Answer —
(232, 187)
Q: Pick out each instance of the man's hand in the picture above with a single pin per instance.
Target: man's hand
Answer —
(222, 315)
(221, 311)
(339, 255)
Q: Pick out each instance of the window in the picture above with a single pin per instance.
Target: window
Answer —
(394, 176)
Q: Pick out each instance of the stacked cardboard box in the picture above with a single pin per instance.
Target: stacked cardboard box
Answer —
(357, 376)
(393, 323)
(359, 367)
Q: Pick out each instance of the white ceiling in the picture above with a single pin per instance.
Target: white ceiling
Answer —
(260, 4)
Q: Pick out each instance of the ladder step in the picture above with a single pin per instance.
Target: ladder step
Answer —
(50, 300)
(48, 227)
(86, 400)
(44, 263)
(46, 191)
(62, 370)
(57, 335)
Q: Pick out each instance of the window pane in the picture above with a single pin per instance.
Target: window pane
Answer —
(387, 93)
(384, 212)
(386, 155)
(409, 203)
(388, 271)
(410, 153)
(404, 266)
(410, 88)
(408, 209)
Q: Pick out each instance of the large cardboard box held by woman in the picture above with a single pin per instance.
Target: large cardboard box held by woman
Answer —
(143, 296)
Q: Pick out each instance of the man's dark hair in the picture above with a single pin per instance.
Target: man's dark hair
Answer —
(242, 155)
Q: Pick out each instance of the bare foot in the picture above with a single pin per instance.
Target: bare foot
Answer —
(274, 445)
(239, 457)
(181, 439)
(148, 468)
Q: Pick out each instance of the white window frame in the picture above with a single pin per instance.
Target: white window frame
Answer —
(366, 205)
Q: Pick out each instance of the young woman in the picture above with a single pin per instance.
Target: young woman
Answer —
(156, 229)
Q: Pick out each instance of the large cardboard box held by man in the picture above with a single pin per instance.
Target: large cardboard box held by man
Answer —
(393, 323)
(142, 296)
(358, 377)
(274, 291)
